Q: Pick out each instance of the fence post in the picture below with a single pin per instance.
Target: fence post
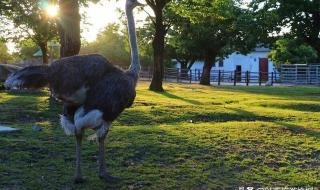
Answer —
(247, 78)
(235, 78)
(190, 77)
(177, 75)
(219, 77)
(260, 78)
(195, 75)
(272, 79)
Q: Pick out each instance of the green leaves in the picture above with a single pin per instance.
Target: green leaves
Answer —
(29, 19)
(212, 26)
(292, 51)
(302, 17)
(111, 43)
(4, 54)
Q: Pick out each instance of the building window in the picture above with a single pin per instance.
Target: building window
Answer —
(221, 63)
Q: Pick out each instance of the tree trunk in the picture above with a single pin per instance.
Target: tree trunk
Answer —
(158, 53)
(184, 69)
(44, 50)
(208, 63)
(191, 62)
(317, 48)
(69, 28)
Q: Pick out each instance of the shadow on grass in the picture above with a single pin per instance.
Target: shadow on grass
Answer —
(144, 158)
(171, 116)
(172, 96)
(296, 106)
(28, 93)
(302, 93)
(26, 107)
(298, 129)
(171, 156)
(252, 116)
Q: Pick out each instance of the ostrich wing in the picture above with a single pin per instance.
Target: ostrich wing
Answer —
(69, 74)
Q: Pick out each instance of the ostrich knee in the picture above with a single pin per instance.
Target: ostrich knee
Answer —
(78, 175)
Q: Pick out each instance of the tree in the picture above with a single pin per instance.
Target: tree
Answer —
(5, 56)
(301, 18)
(144, 39)
(158, 43)
(111, 43)
(26, 48)
(69, 27)
(31, 18)
(180, 47)
(292, 51)
(212, 29)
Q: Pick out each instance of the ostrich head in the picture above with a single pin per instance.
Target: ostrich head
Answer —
(131, 4)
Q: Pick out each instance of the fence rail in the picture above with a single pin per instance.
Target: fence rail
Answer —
(217, 76)
(301, 74)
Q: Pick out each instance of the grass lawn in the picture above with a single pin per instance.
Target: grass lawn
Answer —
(191, 137)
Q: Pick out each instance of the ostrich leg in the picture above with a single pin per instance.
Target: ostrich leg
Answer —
(103, 174)
(78, 176)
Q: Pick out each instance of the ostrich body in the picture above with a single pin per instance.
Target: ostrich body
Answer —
(94, 91)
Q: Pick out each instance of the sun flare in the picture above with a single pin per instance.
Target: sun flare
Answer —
(52, 10)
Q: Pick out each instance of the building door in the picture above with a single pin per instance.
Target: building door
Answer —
(238, 73)
(263, 68)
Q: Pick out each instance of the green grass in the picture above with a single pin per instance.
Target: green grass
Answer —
(191, 137)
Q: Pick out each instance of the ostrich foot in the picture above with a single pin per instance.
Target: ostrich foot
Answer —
(108, 178)
(78, 179)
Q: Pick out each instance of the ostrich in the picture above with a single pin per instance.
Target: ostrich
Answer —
(94, 92)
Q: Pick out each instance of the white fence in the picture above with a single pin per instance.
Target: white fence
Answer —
(300, 74)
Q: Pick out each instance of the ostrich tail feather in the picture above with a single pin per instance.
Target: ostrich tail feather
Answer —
(68, 127)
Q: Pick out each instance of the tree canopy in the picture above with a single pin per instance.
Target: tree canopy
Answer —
(5, 56)
(298, 18)
(26, 48)
(31, 20)
(111, 43)
(211, 29)
(292, 51)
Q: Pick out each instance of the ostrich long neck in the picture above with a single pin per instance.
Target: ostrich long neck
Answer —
(135, 62)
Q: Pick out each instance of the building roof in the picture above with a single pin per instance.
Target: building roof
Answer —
(262, 49)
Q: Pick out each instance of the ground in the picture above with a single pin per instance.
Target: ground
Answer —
(191, 137)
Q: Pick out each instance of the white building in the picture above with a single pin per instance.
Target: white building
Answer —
(255, 62)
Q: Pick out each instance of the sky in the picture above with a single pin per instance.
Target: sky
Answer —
(98, 16)
(103, 13)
